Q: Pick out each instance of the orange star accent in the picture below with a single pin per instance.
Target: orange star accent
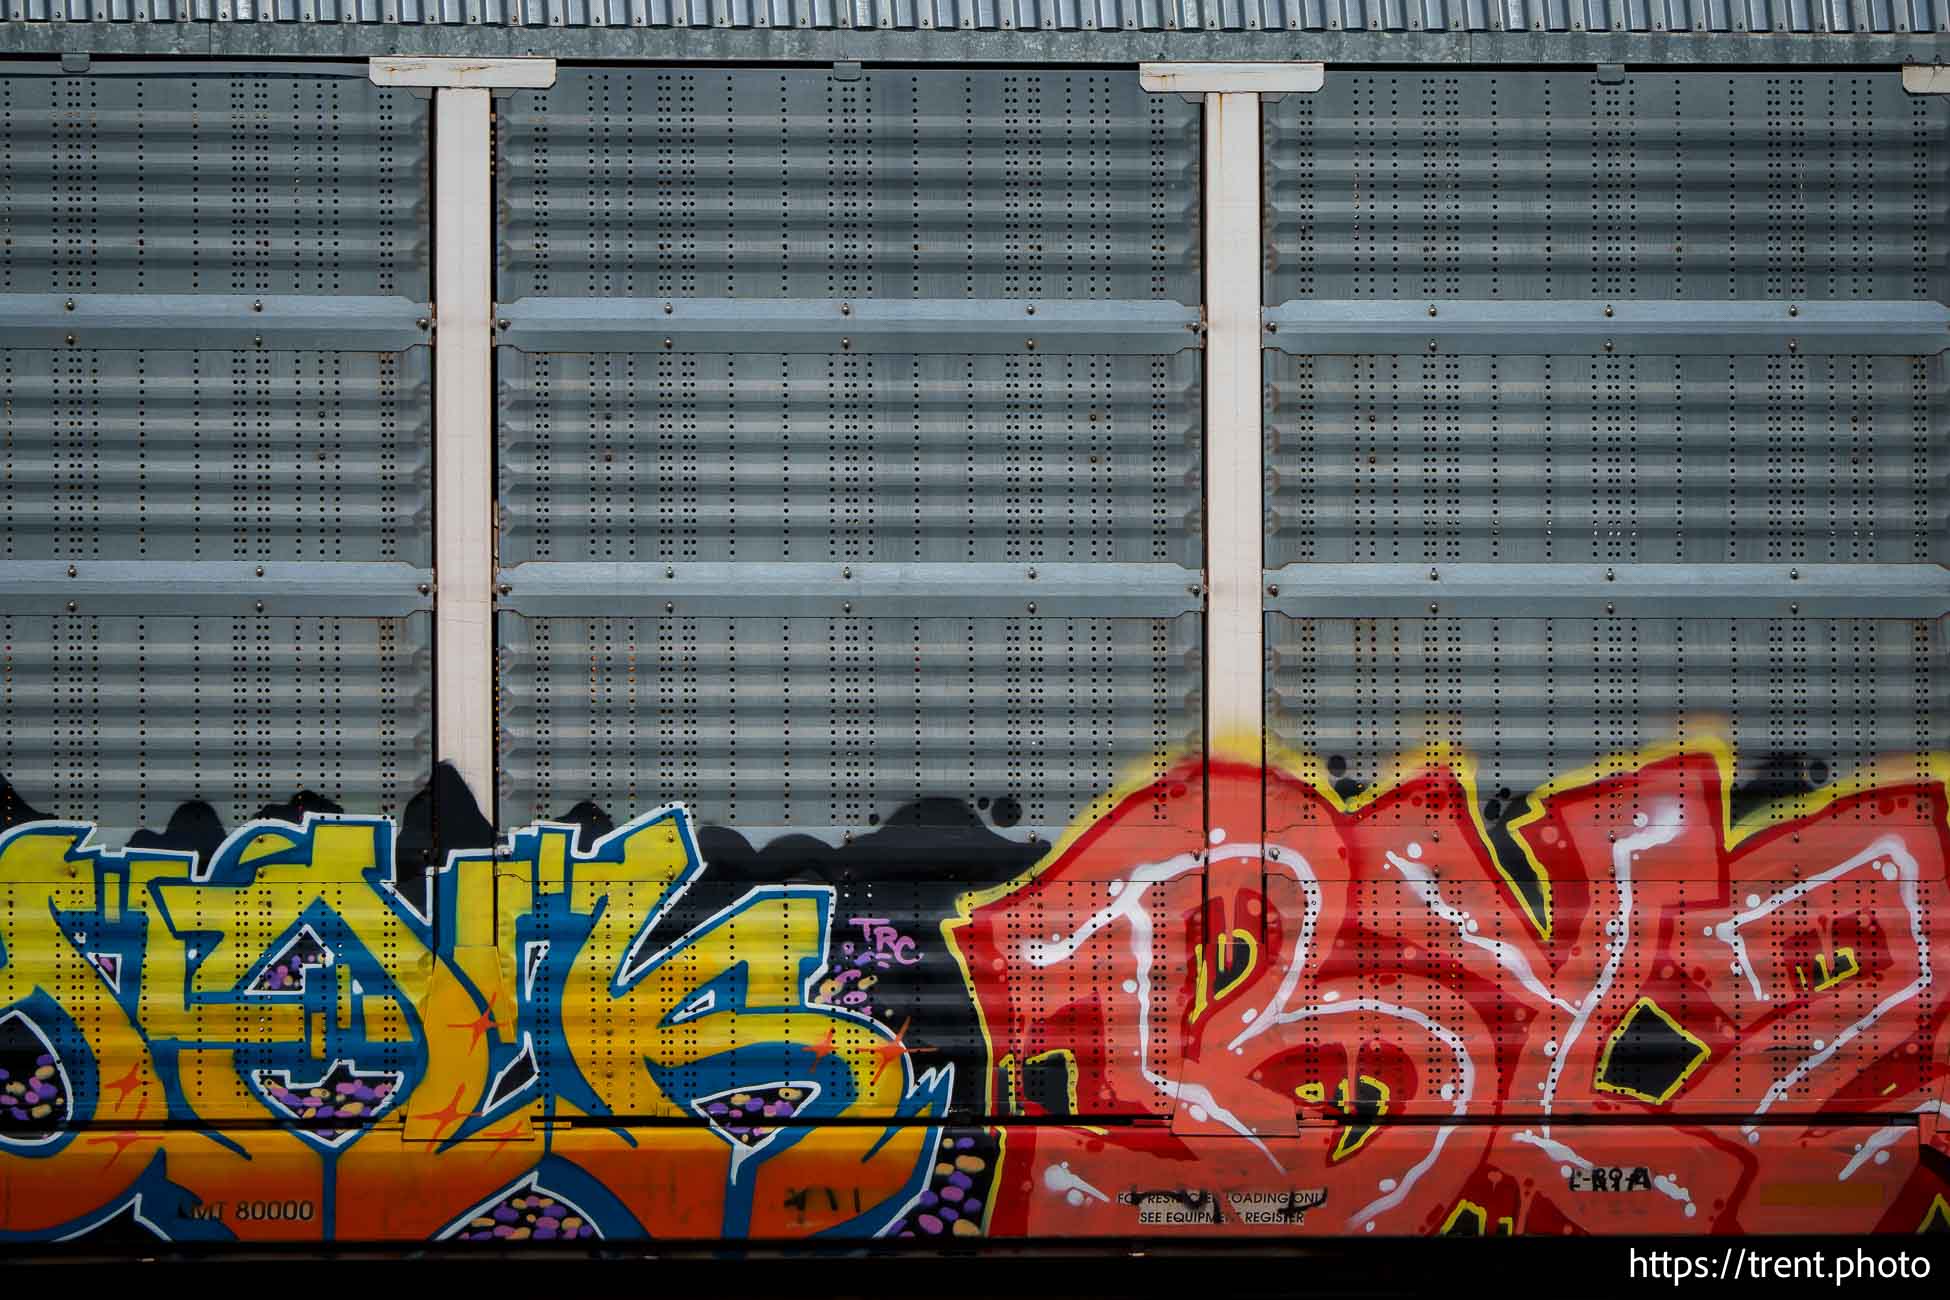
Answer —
(127, 1084)
(512, 1133)
(452, 1114)
(125, 1139)
(481, 1023)
(825, 1047)
(888, 1053)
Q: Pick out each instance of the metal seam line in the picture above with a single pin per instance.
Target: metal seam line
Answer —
(463, 427)
(1234, 517)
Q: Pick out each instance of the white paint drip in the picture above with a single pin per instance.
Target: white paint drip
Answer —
(1071, 1188)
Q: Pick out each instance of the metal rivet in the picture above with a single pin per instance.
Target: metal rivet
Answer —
(1196, 590)
(1794, 345)
(847, 607)
(1433, 607)
(670, 570)
(1794, 575)
(846, 345)
(1272, 327)
(70, 340)
(260, 570)
(69, 304)
(502, 323)
(1431, 345)
(423, 322)
(668, 308)
(1032, 574)
(71, 571)
(1435, 575)
(260, 607)
(1794, 609)
(1794, 311)
(1610, 608)
(1272, 589)
(257, 340)
(1031, 309)
(1032, 607)
(1609, 311)
(666, 345)
(669, 608)
(1431, 309)
(507, 588)
(426, 589)
(1030, 344)
(846, 309)
(847, 571)
(1609, 345)
(258, 305)
(1611, 575)
(72, 607)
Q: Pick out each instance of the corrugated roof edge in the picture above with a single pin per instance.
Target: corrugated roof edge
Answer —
(267, 39)
(1738, 31)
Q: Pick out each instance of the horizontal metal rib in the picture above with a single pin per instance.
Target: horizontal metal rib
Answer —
(1900, 591)
(1662, 328)
(222, 587)
(548, 589)
(190, 321)
(865, 325)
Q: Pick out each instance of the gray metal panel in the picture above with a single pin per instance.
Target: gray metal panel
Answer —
(1804, 702)
(757, 458)
(1677, 17)
(826, 726)
(120, 720)
(1768, 186)
(215, 456)
(1420, 459)
(727, 183)
(206, 183)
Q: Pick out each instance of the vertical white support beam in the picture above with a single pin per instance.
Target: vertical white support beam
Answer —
(463, 398)
(463, 433)
(1235, 692)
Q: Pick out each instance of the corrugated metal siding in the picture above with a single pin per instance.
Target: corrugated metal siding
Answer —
(716, 183)
(637, 193)
(1641, 459)
(1563, 469)
(770, 457)
(1534, 186)
(774, 726)
(1649, 16)
(123, 721)
(183, 501)
(1806, 702)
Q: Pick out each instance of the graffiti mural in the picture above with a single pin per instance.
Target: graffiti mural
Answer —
(1233, 999)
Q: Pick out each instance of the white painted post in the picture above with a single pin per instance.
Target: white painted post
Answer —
(463, 400)
(1235, 690)
(1235, 543)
